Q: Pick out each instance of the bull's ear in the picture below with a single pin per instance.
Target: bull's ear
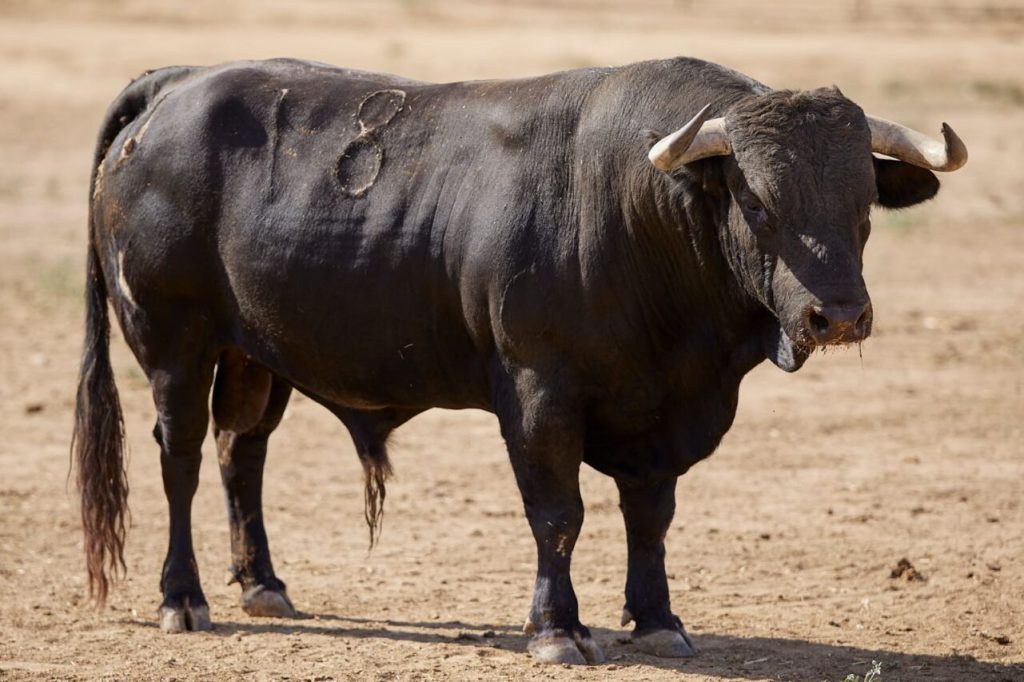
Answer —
(902, 184)
(650, 137)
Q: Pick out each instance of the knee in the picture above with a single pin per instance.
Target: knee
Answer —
(551, 519)
(175, 444)
(181, 438)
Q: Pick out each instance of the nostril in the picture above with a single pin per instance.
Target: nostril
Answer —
(818, 322)
(865, 319)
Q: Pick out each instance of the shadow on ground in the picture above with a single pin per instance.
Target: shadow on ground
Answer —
(721, 655)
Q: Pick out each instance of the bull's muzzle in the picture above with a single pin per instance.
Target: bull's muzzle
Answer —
(836, 323)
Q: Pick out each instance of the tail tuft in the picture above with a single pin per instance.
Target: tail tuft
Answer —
(376, 470)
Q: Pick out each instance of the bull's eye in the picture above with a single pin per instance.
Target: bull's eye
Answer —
(756, 214)
(752, 209)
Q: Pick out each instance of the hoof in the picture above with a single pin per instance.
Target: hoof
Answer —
(185, 619)
(590, 649)
(576, 650)
(666, 644)
(262, 602)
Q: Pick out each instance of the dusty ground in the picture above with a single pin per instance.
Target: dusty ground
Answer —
(781, 553)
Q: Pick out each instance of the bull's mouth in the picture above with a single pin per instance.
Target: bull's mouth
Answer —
(782, 350)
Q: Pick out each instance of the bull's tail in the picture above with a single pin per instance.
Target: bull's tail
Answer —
(97, 442)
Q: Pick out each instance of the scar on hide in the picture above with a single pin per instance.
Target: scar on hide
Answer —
(358, 166)
(378, 108)
(97, 188)
(132, 143)
(122, 282)
(275, 141)
(563, 541)
(362, 158)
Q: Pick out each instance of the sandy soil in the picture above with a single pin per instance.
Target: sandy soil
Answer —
(784, 543)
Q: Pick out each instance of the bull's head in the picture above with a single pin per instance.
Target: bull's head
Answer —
(801, 179)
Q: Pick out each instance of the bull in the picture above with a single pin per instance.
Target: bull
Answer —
(538, 248)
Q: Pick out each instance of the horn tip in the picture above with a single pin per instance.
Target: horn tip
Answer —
(956, 150)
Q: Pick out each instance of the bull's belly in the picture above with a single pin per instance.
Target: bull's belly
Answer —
(370, 366)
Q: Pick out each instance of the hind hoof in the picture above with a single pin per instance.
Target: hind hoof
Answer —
(666, 644)
(266, 603)
(185, 619)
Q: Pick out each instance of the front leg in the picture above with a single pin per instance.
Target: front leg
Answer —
(647, 510)
(545, 448)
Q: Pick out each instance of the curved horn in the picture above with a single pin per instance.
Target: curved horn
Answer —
(698, 139)
(905, 144)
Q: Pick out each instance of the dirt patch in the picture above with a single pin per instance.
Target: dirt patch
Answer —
(783, 544)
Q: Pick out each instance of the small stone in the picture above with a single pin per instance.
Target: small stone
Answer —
(905, 570)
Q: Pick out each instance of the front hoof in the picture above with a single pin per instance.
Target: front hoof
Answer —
(261, 601)
(561, 648)
(185, 618)
(666, 644)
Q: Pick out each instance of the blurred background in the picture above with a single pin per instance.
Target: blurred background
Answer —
(785, 540)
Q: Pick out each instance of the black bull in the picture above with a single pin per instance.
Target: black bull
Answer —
(386, 246)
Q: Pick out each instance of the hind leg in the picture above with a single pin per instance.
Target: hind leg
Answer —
(181, 391)
(242, 456)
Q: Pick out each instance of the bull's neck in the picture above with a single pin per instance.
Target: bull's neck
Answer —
(682, 295)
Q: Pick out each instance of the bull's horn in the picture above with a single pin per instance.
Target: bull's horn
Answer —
(905, 144)
(698, 139)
